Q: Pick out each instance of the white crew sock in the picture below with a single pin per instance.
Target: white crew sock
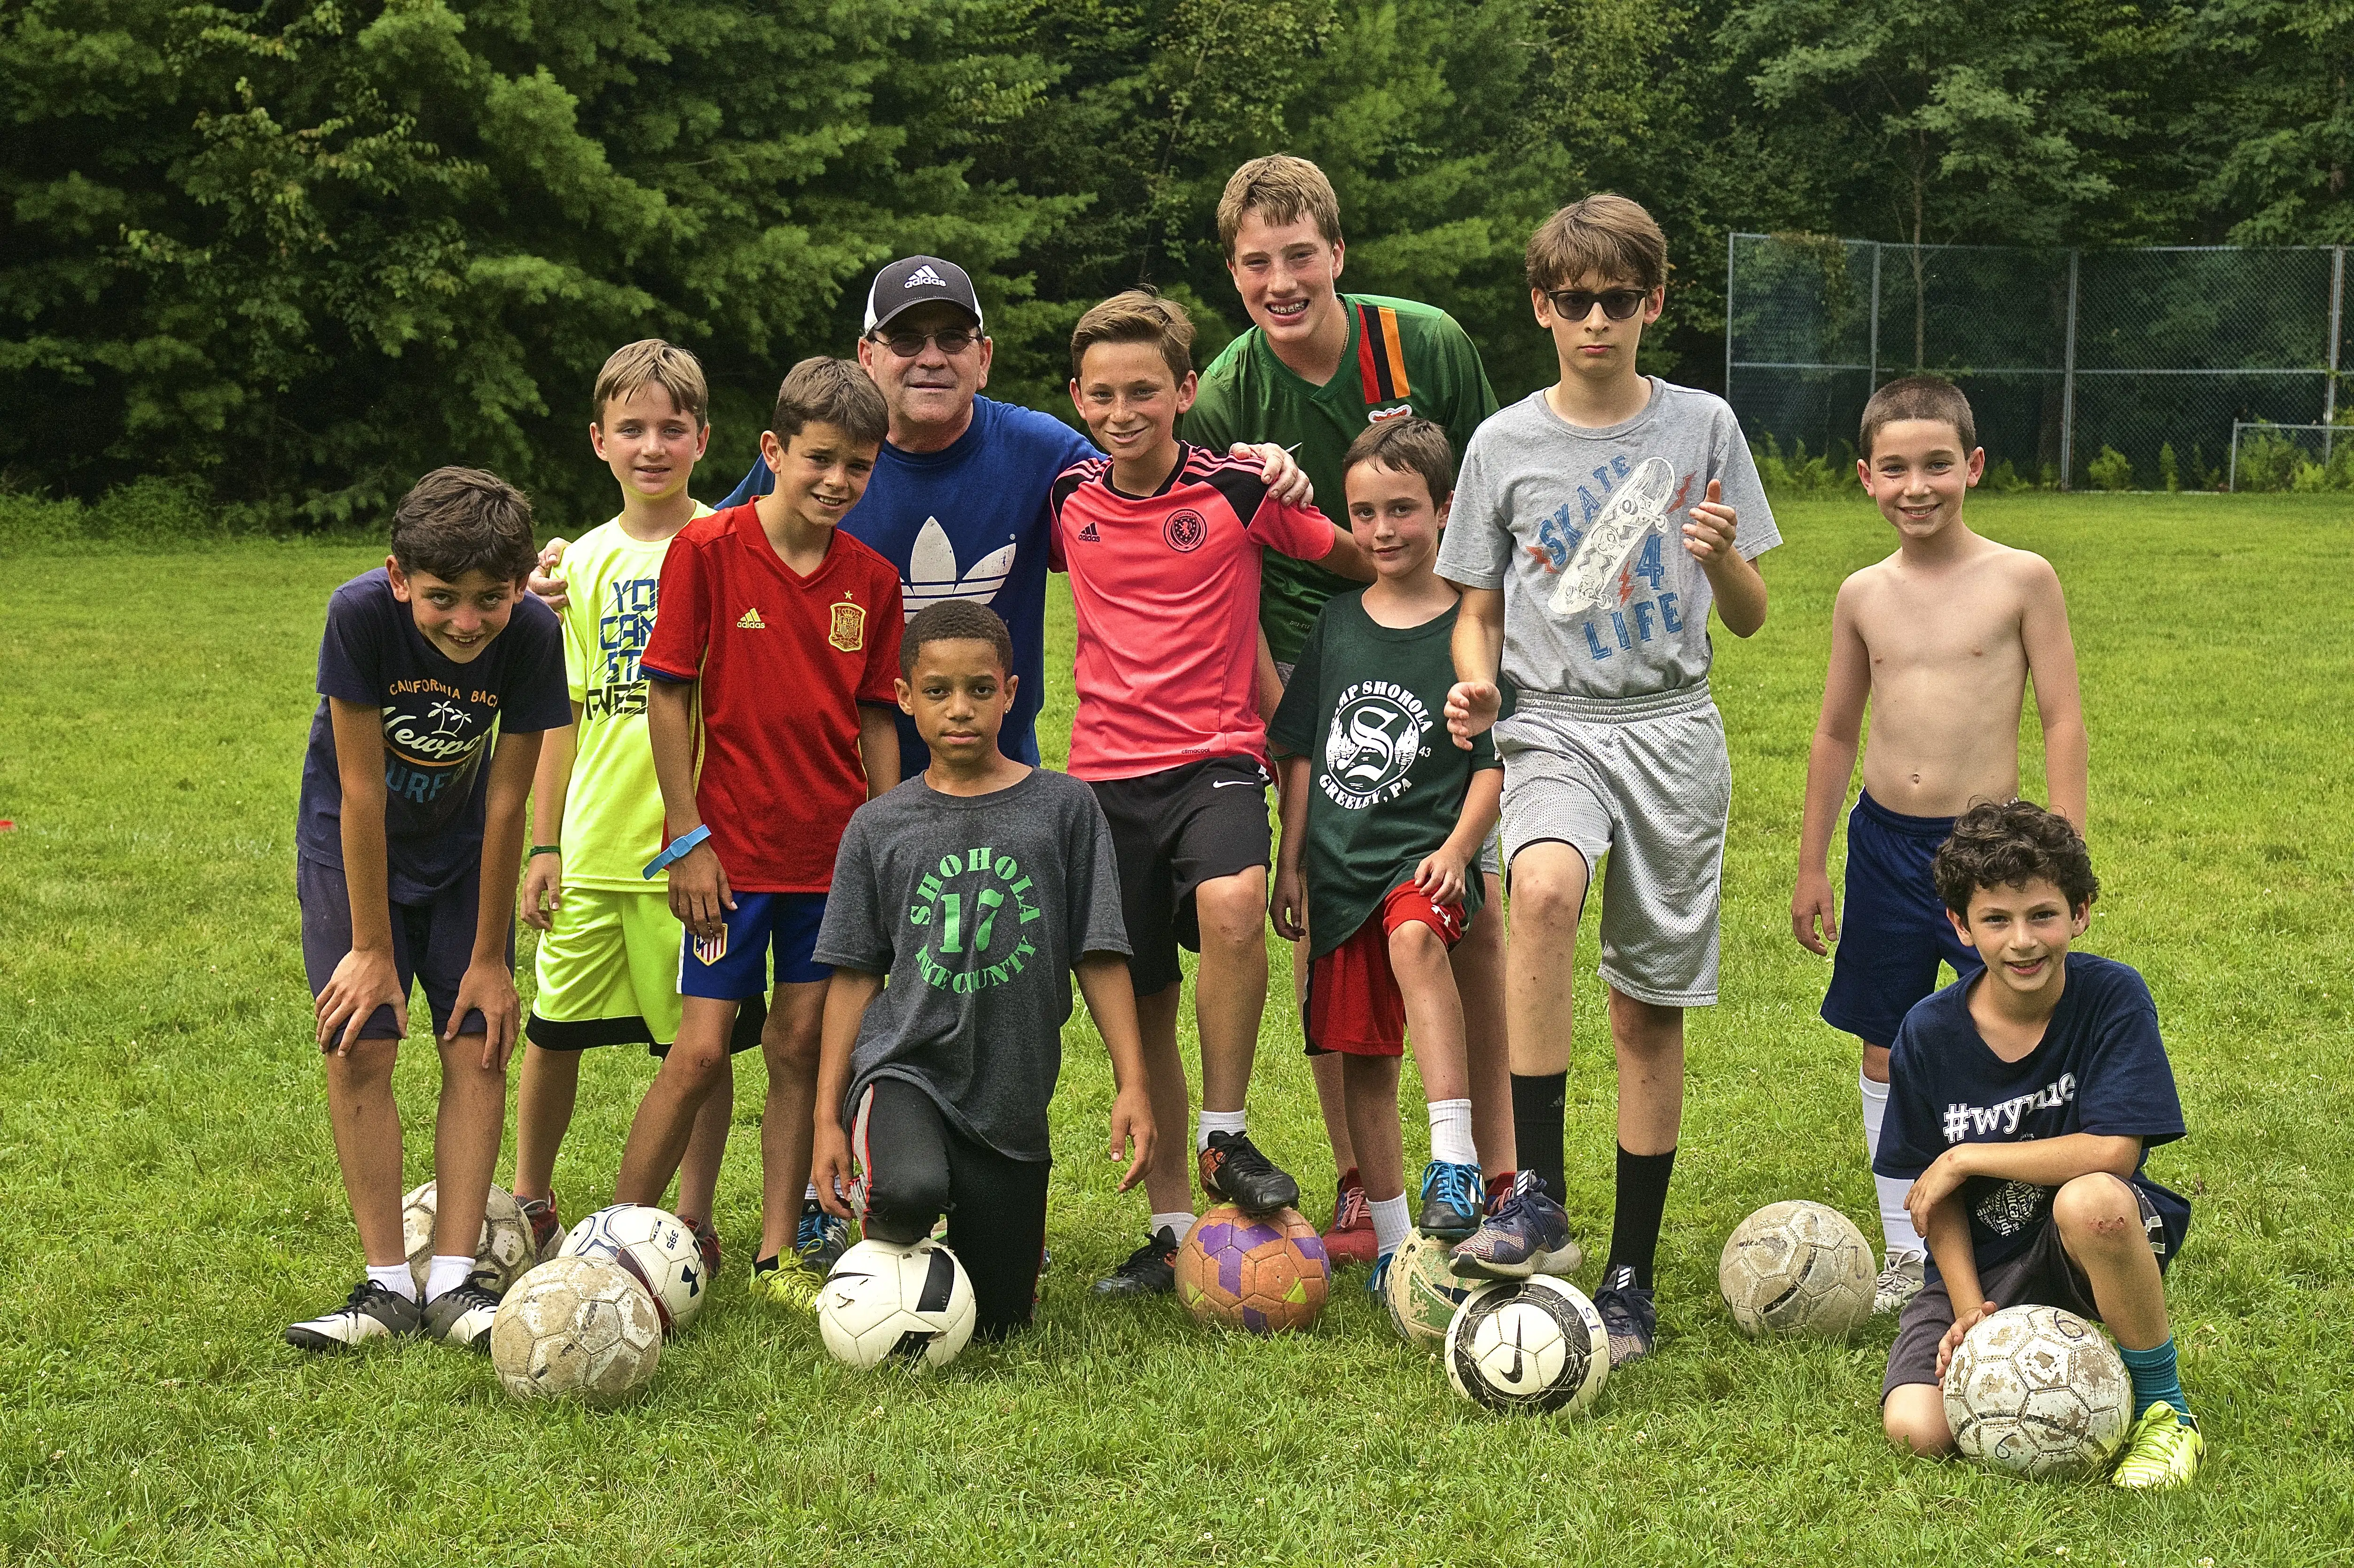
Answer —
(395, 1277)
(1177, 1222)
(809, 1193)
(1391, 1222)
(1451, 1133)
(1896, 1232)
(1217, 1121)
(446, 1274)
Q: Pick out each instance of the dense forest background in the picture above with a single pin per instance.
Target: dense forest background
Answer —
(293, 252)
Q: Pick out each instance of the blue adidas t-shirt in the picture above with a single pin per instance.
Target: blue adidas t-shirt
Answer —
(968, 522)
(2100, 1069)
(439, 720)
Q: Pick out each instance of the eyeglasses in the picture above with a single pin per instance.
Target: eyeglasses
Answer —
(951, 341)
(1573, 305)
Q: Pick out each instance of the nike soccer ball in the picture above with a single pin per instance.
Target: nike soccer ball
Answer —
(576, 1328)
(653, 1247)
(503, 1253)
(1421, 1291)
(1528, 1344)
(1797, 1268)
(1268, 1275)
(2039, 1391)
(885, 1302)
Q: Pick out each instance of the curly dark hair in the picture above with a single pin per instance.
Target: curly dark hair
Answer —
(954, 621)
(459, 520)
(2006, 843)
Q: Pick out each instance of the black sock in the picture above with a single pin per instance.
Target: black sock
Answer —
(763, 1265)
(1537, 1103)
(1634, 1224)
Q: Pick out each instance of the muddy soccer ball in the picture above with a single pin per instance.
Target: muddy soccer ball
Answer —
(1268, 1275)
(1797, 1268)
(501, 1253)
(576, 1328)
(2039, 1391)
(1421, 1290)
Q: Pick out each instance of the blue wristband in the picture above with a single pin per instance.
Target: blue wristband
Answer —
(678, 851)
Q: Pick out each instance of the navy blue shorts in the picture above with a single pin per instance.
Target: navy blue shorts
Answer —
(1894, 930)
(432, 942)
(734, 966)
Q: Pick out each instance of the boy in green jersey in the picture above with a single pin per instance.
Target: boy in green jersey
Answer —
(1384, 848)
(607, 961)
(1316, 369)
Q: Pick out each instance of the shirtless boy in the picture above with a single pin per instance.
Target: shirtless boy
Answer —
(1941, 639)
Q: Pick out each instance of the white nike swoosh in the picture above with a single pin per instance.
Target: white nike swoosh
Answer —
(1230, 783)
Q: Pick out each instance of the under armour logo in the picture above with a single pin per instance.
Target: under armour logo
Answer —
(923, 275)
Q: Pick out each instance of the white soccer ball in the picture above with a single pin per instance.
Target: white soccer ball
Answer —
(576, 1328)
(503, 1253)
(1528, 1344)
(888, 1302)
(1797, 1268)
(653, 1247)
(2039, 1391)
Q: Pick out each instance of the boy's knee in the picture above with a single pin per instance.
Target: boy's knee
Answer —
(1231, 910)
(903, 1205)
(368, 1064)
(1914, 1417)
(698, 1065)
(792, 1050)
(1415, 946)
(1548, 893)
(463, 1056)
(2097, 1208)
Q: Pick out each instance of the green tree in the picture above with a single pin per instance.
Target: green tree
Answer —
(2270, 126)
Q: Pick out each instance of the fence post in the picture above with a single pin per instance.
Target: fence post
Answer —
(2337, 328)
(2068, 385)
(1874, 386)
(1729, 237)
(2232, 469)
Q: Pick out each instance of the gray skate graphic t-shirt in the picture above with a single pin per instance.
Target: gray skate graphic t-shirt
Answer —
(975, 908)
(1582, 530)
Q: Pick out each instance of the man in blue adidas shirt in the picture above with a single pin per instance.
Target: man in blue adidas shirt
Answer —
(957, 501)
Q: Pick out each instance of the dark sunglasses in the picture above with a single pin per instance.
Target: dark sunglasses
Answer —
(1575, 304)
(952, 342)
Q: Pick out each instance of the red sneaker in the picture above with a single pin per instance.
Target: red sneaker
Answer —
(706, 1241)
(546, 1227)
(1351, 1239)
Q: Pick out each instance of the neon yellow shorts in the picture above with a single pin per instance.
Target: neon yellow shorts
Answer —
(608, 973)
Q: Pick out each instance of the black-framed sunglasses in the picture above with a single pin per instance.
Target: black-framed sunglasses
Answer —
(1576, 305)
(950, 340)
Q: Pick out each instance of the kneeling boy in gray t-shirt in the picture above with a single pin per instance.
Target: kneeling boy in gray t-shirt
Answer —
(979, 888)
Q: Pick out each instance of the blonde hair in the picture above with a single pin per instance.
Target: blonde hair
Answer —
(1604, 237)
(1281, 189)
(1138, 315)
(650, 360)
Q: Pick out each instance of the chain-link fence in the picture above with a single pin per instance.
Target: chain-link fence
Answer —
(2125, 368)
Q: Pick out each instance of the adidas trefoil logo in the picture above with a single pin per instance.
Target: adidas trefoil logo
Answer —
(750, 622)
(1089, 536)
(923, 275)
(932, 574)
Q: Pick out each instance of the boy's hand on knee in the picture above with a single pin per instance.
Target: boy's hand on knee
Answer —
(1809, 903)
(1132, 1133)
(1287, 906)
(1471, 710)
(830, 1167)
(543, 891)
(362, 983)
(699, 894)
(1961, 1332)
(489, 987)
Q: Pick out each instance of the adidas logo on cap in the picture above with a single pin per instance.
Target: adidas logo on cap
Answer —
(923, 275)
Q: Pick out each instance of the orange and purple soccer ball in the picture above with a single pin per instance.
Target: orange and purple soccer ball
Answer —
(1268, 1275)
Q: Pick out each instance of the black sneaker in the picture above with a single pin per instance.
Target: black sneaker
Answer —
(370, 1312)
(1234, 1172)
(1629, 1315)
(1150, 1269)
(463, 1317)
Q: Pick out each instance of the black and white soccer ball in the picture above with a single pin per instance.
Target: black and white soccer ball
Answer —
(1797, 1268)
(653, 1247)
(887, 1302)
(1528, 1344)
(576, 1328)
(503, 1253)
(2039, 1391)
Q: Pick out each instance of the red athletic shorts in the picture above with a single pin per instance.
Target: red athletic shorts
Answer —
(1353, 1003)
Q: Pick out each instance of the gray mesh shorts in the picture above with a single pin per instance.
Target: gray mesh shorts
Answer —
(1647, 782)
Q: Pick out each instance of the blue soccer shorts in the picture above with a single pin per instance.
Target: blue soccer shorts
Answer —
(733, 966)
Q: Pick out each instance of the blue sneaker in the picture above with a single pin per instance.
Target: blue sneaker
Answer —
(1630, 1316)
(821, 1238)
(1525, 1234)
(1452, 1199)
(1377, 1282)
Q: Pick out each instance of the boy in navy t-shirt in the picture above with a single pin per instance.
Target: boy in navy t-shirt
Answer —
(2022, 1101)
(436, 676)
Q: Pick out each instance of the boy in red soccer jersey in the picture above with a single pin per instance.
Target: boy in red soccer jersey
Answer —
(773, 658)
(1163, 543)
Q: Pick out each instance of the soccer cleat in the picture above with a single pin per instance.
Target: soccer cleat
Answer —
(1630, 1316)
(463, 1317)
(787, 1282)
(1351, 1239)
(370, 1312)
(821, 1238)
(706, 1241)
(1526, 1234)
(547, 1228)
(1150, 1269)
(1452, 1200)
(2162, 1451)
(1898, 1283)
(1234, 1172)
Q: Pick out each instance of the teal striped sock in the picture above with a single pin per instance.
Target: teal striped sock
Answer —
(2153, 1378)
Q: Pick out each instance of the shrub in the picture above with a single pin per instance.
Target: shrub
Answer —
(1798, 474)
(2110, 470)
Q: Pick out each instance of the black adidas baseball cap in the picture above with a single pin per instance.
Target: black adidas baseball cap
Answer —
(918, 280)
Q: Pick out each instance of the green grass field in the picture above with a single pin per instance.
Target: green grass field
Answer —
(172, 1202)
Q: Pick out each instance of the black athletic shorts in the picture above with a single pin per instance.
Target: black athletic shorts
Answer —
(911, 1166)
(1170, 832)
